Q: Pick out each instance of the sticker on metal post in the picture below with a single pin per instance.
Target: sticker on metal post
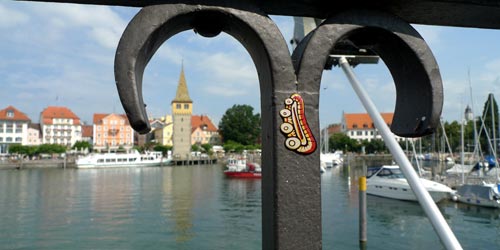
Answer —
(299, 136)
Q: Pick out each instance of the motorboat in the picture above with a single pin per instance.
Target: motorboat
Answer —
(129, 159)
(331, 159)
(239, 168)
(388, 181)
(485, 195)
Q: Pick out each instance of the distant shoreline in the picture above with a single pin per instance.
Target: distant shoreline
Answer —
(32, 164)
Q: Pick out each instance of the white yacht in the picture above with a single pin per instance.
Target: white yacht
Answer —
(130, 159)
(388, 181)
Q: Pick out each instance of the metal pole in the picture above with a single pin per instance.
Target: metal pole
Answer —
(362, 210)
(437, 220)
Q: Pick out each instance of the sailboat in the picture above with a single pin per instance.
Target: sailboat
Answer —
(483, 194)
(327, 158)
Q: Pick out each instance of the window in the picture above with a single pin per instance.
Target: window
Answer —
(178, 106)
(355, 126)
(9, 128)
(10, 113)
(359, 133)
(1, 139)
(186, 106)
(19, 139)
(8, 139)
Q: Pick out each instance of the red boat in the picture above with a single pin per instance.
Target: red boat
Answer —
(238, 168)
(243, 174)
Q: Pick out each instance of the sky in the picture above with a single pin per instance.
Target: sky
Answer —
(54, 54)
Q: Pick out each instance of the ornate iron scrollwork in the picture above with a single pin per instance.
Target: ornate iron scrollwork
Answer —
(291, 194)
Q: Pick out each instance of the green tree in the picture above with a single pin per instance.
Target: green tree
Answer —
(51, 149)
(79, 145)
(490, 123)
(207, 147)
(232, 146)
(241, 125)
(195, 147)
(340, 141)
(374, 146)
(163, 149)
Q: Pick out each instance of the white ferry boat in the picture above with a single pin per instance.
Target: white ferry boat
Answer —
(130, 159)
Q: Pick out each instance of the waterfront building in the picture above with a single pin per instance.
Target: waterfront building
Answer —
(182, 109)
(112, 131)
(59, 125)
(204, 131)
(88, 133)
(359, 126)
(163, 130)
(34, 134)
(13, 128)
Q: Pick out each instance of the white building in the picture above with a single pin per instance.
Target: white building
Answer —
(59, 125)
(34, 134)
(359, 126)
(13, 128)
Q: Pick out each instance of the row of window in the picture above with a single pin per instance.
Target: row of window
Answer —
(178, 106)
(10, 139)
(106, 135)
(116, 160)
(63, 121)
(112, 127)
(360, 133)
(366, 125)
(113, 142)
(113, 122)
(17, 131)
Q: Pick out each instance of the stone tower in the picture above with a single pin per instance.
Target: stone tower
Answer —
(182, 108)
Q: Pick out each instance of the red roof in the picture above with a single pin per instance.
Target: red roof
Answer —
(87, 131)
(12, 114)
(97, 119)
(199, 121)
(363, 121)
(52, 112)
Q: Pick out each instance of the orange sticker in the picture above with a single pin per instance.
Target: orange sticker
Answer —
(295, 127)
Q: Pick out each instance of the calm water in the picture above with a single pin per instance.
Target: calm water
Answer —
(197, 208)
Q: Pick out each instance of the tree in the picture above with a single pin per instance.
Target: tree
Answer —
(163, 149)
(374, 146)
(79, 145)
(341, 141)
(241, 125)
(490, 119)
(51, 149)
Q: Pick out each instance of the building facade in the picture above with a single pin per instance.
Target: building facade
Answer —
(59, 125)
(112, 131)
(359, 126)
(13, 128)
(34, 134)
(204, 131)
(182, 109)
(163, 130)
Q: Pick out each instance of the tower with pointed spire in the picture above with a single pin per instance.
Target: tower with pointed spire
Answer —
(182, 109)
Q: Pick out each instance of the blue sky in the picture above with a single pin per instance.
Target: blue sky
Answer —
(63, 54)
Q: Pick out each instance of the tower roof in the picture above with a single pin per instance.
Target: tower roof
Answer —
(182, 94)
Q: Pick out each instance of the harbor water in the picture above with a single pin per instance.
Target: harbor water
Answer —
(196, 207)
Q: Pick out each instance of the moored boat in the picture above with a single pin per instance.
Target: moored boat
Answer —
(388, 181)
(485, 195)
(239, 168)
(129, 159)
